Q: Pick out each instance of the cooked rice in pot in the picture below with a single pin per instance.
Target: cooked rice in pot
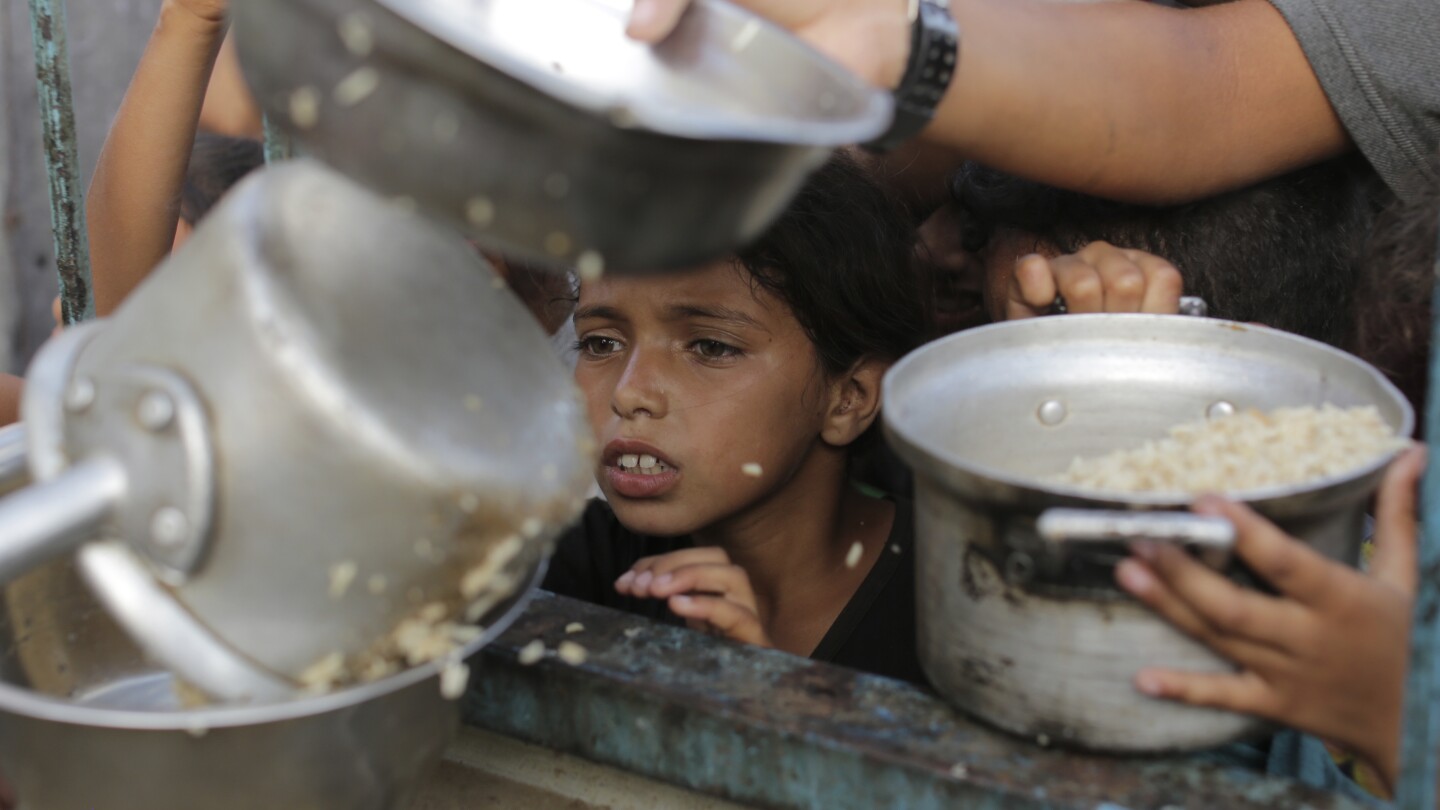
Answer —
(1245, 451)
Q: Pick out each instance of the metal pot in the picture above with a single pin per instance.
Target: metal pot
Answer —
(545, 132)
(87, 722)
(1028, 632)
(318, 418)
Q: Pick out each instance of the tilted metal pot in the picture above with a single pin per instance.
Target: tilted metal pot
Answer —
(87, 721)
(1030, 633)
(546, 132)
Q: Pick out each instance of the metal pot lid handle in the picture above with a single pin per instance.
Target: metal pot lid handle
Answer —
(1212, 537)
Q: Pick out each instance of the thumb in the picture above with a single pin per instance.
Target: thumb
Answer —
(652, 20)
(1395, 548)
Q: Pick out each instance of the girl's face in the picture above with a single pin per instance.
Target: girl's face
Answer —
(705, 394)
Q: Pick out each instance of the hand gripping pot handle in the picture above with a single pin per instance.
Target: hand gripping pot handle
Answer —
(1212, 538)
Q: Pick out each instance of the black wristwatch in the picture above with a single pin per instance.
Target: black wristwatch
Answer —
(934, 55)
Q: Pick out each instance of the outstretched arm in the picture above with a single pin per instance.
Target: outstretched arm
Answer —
(1130, 101)
(133, 204)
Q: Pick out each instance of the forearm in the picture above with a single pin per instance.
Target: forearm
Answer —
(11, 387)
(1134, 101)
(133, 204)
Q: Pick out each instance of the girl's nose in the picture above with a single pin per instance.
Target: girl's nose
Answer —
(639, 390)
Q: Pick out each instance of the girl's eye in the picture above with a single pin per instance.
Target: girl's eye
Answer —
(597, 346)
(714, 349)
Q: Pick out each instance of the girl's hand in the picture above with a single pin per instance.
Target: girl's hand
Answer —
(1098, 278)
(703, 587)
(1328, 656)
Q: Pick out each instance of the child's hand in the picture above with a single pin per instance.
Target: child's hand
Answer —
(703, 587)
(207, 10)
(1328, 656)
(1099, 278)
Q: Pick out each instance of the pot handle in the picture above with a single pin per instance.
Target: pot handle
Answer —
(1213, 538)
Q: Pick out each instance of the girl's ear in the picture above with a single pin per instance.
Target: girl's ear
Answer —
(854, 402)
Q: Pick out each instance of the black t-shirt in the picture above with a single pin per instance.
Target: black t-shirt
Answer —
(874, 633)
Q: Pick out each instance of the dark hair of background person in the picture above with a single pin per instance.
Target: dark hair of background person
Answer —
(1285, 253)
(217, 162)
(1396, 290)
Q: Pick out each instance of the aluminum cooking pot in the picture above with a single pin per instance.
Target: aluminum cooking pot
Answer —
(1029, 632)
(321, 419)
(545, 132)
(86, 721)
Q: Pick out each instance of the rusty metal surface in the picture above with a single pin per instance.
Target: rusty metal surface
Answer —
(774, 730)
(62, 161)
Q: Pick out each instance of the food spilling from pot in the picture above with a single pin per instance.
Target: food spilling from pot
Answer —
(279, 478)
(1043, 448)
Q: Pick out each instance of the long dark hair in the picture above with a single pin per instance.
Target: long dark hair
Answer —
(840, 258)
(217, 162)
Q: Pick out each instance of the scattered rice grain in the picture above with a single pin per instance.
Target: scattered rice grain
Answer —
(341, 575)
(531, 653)
(571, 653)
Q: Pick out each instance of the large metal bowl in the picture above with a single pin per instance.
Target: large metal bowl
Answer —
(544, 131)
(986, 416)
(86, 722)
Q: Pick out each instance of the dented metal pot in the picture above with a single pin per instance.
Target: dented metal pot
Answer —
(545, 132)
(1020, 622)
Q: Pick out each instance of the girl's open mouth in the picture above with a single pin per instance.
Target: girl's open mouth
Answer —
(636, 470)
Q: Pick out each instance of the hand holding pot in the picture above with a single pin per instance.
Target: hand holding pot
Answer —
(1100, 277)
(1327, 656)
(870, 37)
(704, 588)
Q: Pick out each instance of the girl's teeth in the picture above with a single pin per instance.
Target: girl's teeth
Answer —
(644, 465)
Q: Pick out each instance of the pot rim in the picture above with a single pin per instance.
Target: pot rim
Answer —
(931, 462)
(435, 18)
(26, 702)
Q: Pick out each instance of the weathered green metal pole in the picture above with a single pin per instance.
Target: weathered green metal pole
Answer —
(62, 161)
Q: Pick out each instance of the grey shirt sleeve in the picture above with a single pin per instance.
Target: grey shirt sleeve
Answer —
(1379, 64)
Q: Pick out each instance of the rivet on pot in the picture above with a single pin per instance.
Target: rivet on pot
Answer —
(1219, 410)
(156, 411)
(80, 396)
(169, 527)
(1019, 568)
(1051, 412)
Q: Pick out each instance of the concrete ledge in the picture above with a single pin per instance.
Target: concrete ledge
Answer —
(483, 769)
(765, 728)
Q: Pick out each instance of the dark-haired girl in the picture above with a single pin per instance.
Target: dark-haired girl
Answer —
(731, 404)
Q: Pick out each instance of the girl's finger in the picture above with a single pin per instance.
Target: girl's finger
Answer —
(1032, 288)
(636, 581)
(729, 581)
(1394, 562)
(1122, 280)
(1143, 582)
(731, 620)
(1080, 284)
(1163, 284)
(1290, 566)
(1243, 692)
